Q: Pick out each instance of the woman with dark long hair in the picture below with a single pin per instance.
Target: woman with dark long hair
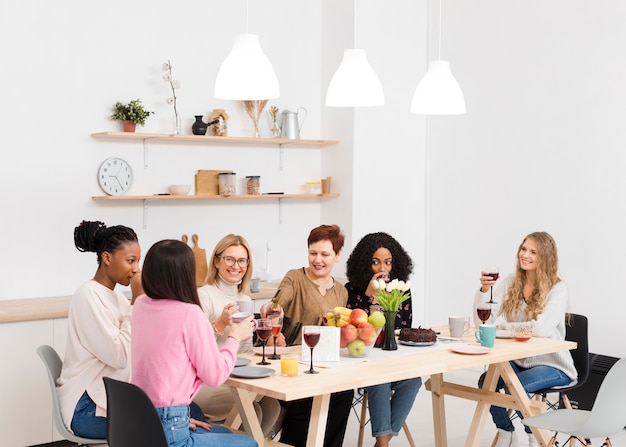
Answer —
(379, 256)
(174, 349)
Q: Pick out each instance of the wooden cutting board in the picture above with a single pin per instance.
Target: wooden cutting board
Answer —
(201, 264)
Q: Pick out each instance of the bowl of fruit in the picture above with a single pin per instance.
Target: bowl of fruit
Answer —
(358, 330)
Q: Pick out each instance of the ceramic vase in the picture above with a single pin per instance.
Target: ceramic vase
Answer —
(199, 127)
(389, 339)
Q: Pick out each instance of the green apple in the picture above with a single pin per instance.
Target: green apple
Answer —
(356, 348)
(377, 319)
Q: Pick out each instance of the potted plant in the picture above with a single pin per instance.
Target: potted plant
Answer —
(130, 114)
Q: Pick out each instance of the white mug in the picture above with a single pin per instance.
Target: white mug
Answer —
(255, 285)
(459, 326)
(245, 306)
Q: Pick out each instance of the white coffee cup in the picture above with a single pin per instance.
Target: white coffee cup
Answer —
(245, 306)
(459, 326)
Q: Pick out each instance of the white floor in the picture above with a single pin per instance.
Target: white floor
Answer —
(459, 414)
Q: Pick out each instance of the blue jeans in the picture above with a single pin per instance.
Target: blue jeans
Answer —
(85, 423)
(175, 421)
(388, 412)
(532, 379)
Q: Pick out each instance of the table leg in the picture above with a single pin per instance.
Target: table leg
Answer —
(482, 409)
(250, 421)
(439, 410)
(519, 394)
(317, 425)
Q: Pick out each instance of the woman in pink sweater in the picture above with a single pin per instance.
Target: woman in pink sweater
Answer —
(174, 349)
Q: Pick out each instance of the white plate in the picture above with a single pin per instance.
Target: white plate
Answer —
(470, 349)
(503, 333)
(242, 361)
(416, 343)
(252, 372)
(269, 350)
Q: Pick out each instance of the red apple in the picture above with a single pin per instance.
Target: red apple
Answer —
(348, 335)
(358, 316)
(367, 333)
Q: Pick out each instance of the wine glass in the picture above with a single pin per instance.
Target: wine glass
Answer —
(277, 326)
(311, 338)
(263, 332)
(494, 273)
(483, 313)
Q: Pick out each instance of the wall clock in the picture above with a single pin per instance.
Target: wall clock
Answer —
(115, 176)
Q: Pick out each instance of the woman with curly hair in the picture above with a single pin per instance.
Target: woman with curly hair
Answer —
(533, 293)
(380, 256)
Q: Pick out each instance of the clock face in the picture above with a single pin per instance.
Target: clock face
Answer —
(115, 176)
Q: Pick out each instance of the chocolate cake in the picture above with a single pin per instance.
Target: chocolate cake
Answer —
(417, 335)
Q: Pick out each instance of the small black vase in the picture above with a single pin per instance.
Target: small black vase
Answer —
(199, 127)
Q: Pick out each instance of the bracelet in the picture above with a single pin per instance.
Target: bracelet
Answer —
(216, 332)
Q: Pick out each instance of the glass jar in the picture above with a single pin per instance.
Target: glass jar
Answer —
(253, 183)
(313, 187)
(227, 183)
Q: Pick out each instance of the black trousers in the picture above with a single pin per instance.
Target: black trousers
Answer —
(296, 424)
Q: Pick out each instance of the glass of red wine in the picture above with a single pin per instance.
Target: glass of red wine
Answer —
(483, 313)
(494, 273)
(311, 338)
(277, 326)
(263, 332)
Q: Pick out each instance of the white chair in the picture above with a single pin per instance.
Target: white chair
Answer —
(53, 364)
(603, 420)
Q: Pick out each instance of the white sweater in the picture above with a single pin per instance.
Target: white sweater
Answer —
(213, 299)
(550, 324)
(98, 345)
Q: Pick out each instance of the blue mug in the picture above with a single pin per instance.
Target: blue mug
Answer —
(486, 335)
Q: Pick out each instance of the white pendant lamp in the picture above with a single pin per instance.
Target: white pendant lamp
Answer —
(438, 93)
(246, 73)
(355, 83)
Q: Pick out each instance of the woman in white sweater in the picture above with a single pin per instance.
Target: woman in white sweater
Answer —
(98, 342)
(533, 293)
(227, 282)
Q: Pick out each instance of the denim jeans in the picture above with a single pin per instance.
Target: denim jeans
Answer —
(85, 423)
(388, 412)
(175, 421)
(532, 379)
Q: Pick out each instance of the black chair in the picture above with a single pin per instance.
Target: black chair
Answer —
(576, 329)
(132, 420)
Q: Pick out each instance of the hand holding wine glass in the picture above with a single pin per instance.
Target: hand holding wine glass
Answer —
(311, 338)
(493, 272)
(263, 332)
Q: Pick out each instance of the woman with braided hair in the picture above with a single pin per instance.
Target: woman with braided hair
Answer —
(98, 342)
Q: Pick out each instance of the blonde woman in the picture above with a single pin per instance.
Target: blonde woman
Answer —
(533, 293)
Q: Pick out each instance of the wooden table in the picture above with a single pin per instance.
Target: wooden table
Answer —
(389, 366)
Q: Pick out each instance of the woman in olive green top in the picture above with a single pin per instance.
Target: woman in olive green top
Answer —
(305, 294)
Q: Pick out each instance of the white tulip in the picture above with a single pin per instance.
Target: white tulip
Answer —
(407, 286)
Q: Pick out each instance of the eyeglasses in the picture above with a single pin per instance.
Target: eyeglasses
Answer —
(230, 261)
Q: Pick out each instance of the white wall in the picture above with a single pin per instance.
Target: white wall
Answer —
(540, 147)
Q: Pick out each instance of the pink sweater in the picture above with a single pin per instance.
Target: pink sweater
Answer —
(174, 351)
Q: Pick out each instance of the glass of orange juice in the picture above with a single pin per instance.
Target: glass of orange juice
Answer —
(289, 365)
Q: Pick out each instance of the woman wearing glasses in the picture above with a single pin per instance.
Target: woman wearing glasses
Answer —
(227, 281)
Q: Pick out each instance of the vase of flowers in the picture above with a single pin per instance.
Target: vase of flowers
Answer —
(171, 100)
(390, 296)
(254, 109)
(130, 114)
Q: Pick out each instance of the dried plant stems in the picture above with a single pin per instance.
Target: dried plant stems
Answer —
(254, 108)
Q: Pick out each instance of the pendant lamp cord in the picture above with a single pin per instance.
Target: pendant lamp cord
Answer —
(440, 8)
(246, 16)
(354, 30)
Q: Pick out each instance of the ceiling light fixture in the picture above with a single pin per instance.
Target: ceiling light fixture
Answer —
(246, 73)
(438, 93)
(355, 83)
